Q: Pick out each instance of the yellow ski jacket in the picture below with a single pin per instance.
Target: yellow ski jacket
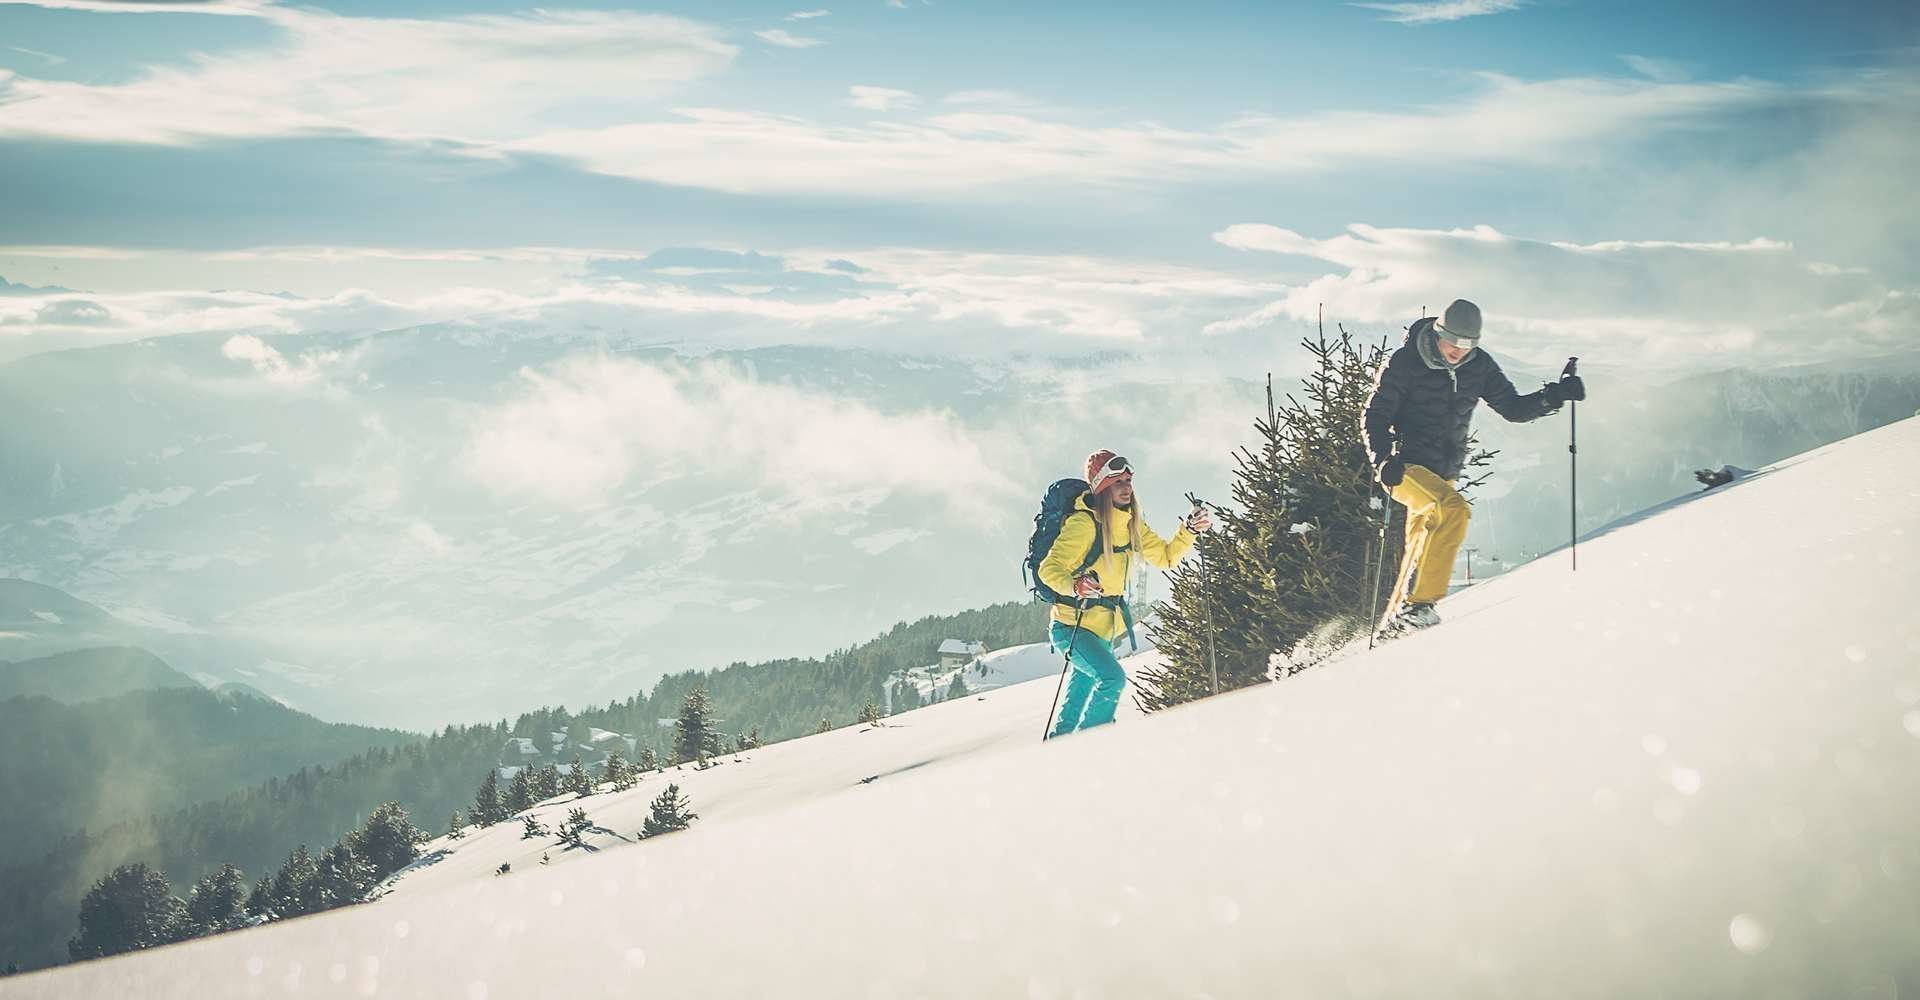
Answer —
(1115, 572)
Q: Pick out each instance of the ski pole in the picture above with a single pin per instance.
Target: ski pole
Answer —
(1206, 606)
(1065, 665)
(1379, 566)
(1573, 469)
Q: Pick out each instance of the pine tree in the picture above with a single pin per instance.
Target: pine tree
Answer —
(1291, 560)
(546, 782)
(292, 891)
(519, 797)
(870, 714)
(388, 841)
(218, 902)
(649, 761)
(531, 827)
(260, 900)
(486, 802)
(341, 877)
(573, 832)
(619, 773)
(129, 909)
(958, 689)
(456, 826)
(753, 739)
(824, 727)
(694, 735)
(577, 780)
(670, 812)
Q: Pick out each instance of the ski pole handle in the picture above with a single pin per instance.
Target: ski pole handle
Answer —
(1568, 371)
(1199, 506)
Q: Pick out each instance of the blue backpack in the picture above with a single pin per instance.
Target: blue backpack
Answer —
(1055, 508)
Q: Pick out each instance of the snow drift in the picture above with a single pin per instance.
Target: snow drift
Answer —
(1691, 768)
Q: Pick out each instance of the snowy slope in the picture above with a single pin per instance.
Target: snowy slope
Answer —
(751, 785)
(1692, 768)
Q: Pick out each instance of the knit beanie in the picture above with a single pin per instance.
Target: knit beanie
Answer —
(1460, 323)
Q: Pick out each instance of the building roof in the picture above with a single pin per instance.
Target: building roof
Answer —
(960, 647)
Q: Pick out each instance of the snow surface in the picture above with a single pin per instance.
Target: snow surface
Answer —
(1692, 768)
(987, 672)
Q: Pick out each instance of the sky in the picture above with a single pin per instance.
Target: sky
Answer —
(1671, 184)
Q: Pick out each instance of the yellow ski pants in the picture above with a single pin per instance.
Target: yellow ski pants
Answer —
(1437, 518)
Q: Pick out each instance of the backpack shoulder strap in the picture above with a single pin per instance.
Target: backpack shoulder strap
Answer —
(1093, 551)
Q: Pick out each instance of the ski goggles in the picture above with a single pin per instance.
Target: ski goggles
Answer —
(1116, 466)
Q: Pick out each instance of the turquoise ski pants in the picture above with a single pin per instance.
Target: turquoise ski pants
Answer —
(1093, 692)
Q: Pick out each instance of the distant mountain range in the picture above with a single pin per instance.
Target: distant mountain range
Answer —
(69, 763)
(87, 674)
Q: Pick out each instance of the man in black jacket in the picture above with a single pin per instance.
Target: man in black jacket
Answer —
(1416, 427)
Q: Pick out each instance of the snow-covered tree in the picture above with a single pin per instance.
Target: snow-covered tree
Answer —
(958, 689)
(341, 877)
(531, 827)
(130, 908)
(753, 738)
(486, 802)
(260, 900)
(670, 812)
(546, 782)
(388, 841)
(870, 714)
(519, 796)
(218, 902)
(456, 826)
(649, 761)
(619, 773)
(578, 782)
(292, 890)
(573, 832)
(694, 732)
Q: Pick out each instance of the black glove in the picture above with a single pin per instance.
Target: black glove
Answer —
(1568, 388)
(1391, 472)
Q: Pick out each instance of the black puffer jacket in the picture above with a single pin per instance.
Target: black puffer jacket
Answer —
(1422, 408)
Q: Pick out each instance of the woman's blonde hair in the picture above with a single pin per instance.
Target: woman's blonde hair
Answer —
(1103, 509)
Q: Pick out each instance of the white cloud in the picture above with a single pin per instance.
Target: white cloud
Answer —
(51, 59)
(787, 40)
(1076, 297)
(55, 321)
(1657, 301)
(806, 15)
(578, 431)
(1436, 11)
(307, 370)
(1662, 70)
(240, 8)
(881, 98)
(1001, 100)
(949, 302)
(465, 80)
(1508, 122)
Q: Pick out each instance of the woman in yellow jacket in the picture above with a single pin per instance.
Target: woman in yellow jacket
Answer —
(1087, 631)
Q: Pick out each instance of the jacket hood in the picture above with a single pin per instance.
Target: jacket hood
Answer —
(1422, 337)
(1426, 342)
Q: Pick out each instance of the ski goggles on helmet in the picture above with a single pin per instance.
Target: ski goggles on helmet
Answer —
(1116, 467)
